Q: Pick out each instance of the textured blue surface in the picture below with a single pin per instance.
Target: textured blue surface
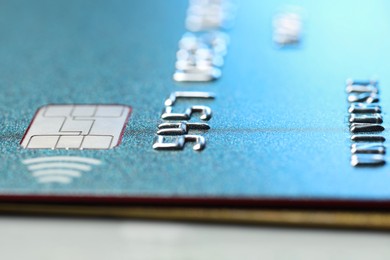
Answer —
(280, 118)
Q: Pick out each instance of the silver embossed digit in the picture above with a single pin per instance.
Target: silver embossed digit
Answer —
(180, 128)
(205, 113)
(178, 143)
(368, 160)
(187, 94)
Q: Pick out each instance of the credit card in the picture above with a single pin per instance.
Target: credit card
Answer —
(215, 104)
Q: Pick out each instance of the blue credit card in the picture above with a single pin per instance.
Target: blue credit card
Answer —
(218, 103)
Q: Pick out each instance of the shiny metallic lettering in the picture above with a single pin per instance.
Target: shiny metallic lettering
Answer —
(205, 113)
(367, 160)
(369, 148)
(202, 49)
(363, 97)
(178, 142)
(373, 119)
(203, 15)
(174, 135)
(369, 86)
(362, 89)
(368, 138)
(365, 118)
(180, 128)
(196, 75)
(361, 128)
(361, 108)
(187, 94)
(287, 28)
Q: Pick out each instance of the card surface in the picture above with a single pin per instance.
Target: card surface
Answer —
(148, 102)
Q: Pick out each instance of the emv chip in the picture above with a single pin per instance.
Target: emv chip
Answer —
(77, 127)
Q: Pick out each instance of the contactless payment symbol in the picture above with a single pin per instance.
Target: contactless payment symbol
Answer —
(59, 169)
(77, 127)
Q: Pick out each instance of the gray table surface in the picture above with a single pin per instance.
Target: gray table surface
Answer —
(73, 239)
